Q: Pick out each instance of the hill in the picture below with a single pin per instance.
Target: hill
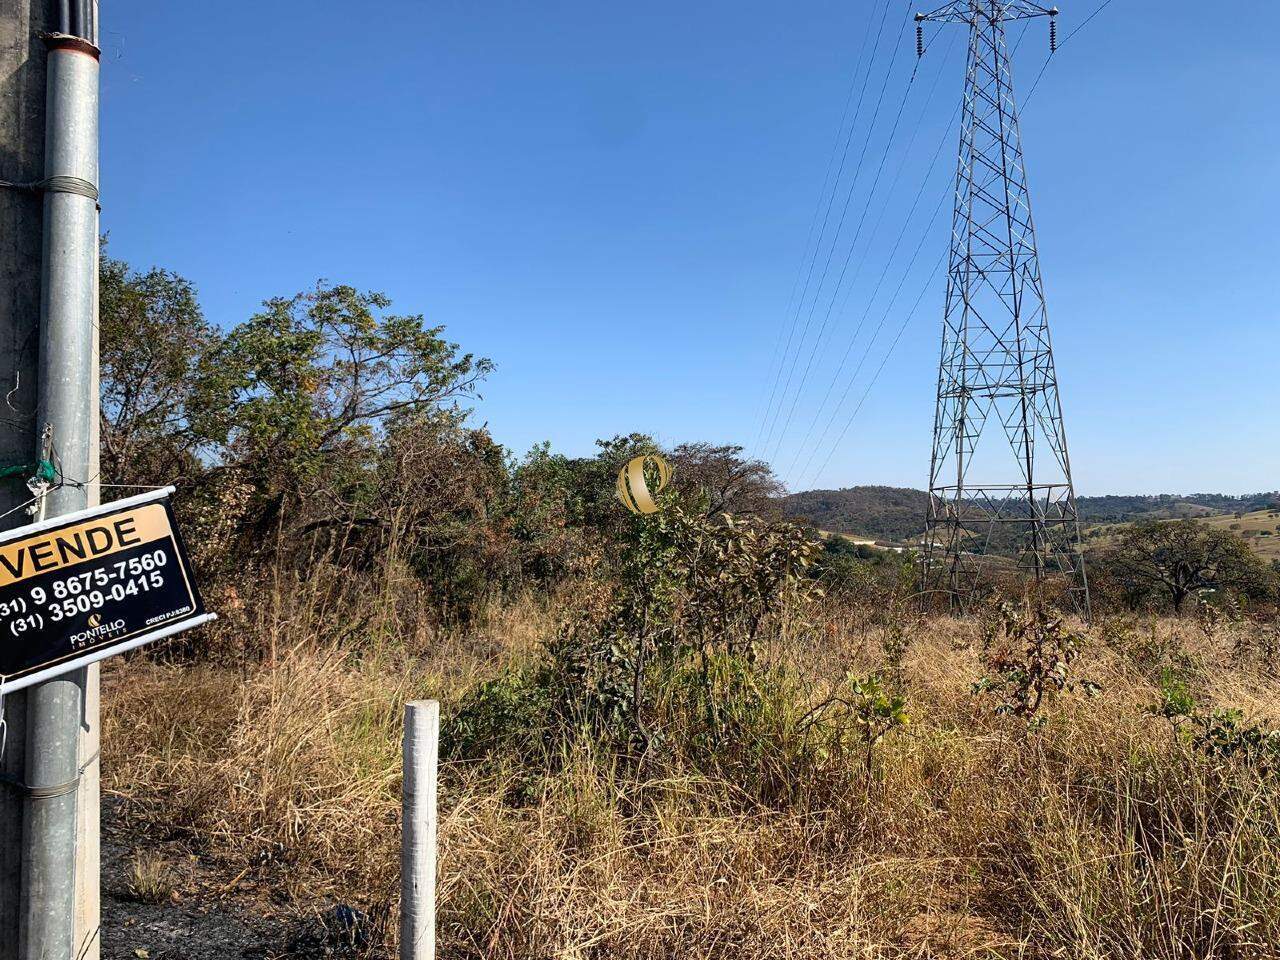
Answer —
(1259, 528)
(897, 513)
(880, 513)
(1166, 506)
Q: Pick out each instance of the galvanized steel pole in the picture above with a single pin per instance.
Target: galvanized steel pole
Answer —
(55, 709)
(22, 103)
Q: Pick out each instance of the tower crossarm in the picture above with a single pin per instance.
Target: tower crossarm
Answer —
(986, 11)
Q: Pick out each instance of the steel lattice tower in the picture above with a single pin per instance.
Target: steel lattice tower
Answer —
(1000, 479)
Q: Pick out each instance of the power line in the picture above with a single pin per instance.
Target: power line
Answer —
(866, 352)
(813, 222)
(867, 311)
(835, 187)
(1045, 66)
(853, 244)
(880, 369)
(893, 299)
(1085, 22)
(880, 33)
(884, 272)
(835, 242)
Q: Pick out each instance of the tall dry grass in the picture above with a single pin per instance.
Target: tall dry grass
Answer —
(1101, 834)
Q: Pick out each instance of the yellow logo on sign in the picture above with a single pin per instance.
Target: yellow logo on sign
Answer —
(95, 620)
(633, 489)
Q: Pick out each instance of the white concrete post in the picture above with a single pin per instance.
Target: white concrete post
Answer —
(418, 843)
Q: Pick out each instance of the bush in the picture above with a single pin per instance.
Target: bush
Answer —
(693, 598)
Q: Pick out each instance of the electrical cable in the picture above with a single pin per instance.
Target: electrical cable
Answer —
(893, 299)
(770, 418)
(884, 272)
(844, 212)
(866, 352)
(813, 223)
(879, 370)
(1061, 43)
(1085, 22)
(866, 313)
(844, 269)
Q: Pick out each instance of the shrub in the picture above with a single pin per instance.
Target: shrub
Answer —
(693, 598)
(1222, 734)
(1028, 653)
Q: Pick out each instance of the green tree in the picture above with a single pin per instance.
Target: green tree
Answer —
(1177, 559)
(162, 395)
(315, 380)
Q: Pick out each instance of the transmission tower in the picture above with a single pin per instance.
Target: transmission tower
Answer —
(1000, 478)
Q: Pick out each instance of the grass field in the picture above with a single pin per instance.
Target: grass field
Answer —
(1260, 529)
(1100, 831)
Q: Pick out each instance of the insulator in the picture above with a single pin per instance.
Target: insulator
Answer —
(1053, 36)
(919, 39)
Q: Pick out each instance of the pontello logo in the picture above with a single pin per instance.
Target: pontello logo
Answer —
(633, 486)
(97, 631)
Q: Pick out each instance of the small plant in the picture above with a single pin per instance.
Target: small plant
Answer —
(494, 714)
(151, 878)
(870, 706)
(1259, 643)
(876, 711)
(1176, 702)
(1211, 616)
(1028, 652)
(894, 643)
(1221, 735)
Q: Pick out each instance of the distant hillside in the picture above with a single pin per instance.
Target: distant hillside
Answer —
(1117, 509)
(1260, 530)
(879, 513)
(897, 513)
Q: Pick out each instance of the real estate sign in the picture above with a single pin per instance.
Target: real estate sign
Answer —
(87, 585)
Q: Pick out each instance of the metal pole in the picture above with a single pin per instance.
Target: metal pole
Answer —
(88, 921)
(418, 843)
(22, 123)
(55, 709)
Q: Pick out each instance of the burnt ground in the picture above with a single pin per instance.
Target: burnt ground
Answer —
(198, 909)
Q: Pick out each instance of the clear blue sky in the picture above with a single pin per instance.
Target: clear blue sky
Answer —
(612, 202)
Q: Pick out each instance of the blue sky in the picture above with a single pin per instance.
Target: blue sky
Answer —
(612, 202)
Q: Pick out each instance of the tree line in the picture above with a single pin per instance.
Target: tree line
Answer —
(328, 427)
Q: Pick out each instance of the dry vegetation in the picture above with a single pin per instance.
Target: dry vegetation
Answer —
(661, 742)
(1259, 528)
(1093, 828)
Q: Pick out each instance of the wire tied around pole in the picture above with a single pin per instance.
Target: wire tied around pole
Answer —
(82, 188)
(52, 791)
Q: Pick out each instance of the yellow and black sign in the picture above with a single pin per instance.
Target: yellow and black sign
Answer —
(84, 586)
(633, 489)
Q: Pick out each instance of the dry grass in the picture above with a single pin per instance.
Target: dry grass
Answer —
(152, 878)
(1260, 529)
(1099, 836)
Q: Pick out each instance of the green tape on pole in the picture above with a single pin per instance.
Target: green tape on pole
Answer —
(41, 471)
